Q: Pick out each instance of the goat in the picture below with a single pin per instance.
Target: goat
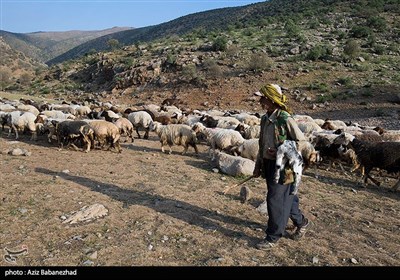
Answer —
(287, 153)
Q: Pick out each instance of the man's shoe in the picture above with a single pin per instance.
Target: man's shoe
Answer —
(245, 194)
(265, 245)
(301, 231)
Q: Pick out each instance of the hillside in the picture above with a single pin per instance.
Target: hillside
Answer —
(44, 46)
(336, 62)
(16, 69)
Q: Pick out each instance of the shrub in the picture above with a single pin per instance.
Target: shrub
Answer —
(351, 48)
(379, 49)
(360, 31)
(5, 77)
(212, 68)
(319, 52)
(323, 98)
(322, 87)
(346, 81)
(259, 62)
(25, 79)
(220, 44)
(189, 72)
(377, 22)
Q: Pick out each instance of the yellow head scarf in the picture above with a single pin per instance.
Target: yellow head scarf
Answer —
(271, 92)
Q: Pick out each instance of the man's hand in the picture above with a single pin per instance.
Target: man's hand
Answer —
(256, 172)
(271, 152)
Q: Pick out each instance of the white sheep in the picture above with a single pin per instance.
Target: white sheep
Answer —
(18, 120)
(234, 165)
(248, 119)
(175, 134)
(220, 138)
(58, 114)
(141, 119)
(248, 149)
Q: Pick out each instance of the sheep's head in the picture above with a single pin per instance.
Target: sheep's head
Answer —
(315, 157)
(198, 127)
(343, 139)
(154, 126)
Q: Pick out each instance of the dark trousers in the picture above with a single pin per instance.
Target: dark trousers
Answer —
(281, 206)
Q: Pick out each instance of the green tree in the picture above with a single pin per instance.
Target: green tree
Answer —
(113, 44)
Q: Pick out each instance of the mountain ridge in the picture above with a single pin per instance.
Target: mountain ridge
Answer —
(43, 46)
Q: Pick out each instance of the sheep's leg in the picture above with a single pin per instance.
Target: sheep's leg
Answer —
(74, 146)
(329, 165)
(366, 176)
(297, 169)
(118, 147)
(34, 136)
(185, 148)
(376, 182)
(356, 165)
(341, 167)
(195, 148)
(87, 141)
(16, 131)
(396, 186)
(162, 146)
(316, 171)
(146, 134)
(279, 166)
(137, 131)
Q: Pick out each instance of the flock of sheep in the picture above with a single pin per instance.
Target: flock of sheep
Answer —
(232, 136)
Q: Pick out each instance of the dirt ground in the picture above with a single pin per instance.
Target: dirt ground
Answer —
(169, 210)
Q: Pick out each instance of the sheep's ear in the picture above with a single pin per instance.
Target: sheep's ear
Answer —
(54, 123)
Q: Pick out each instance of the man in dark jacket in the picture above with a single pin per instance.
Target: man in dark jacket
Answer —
(277, 125)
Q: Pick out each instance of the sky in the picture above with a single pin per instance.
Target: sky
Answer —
(25, 16)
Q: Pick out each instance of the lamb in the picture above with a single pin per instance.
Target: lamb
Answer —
(287, 152)
(383, 155)
(234, 165)
(248, 149)
(248, 131)
(178, 134)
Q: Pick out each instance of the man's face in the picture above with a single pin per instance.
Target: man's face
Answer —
(266, 104)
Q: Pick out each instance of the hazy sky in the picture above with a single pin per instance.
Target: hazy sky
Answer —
(23, 16)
